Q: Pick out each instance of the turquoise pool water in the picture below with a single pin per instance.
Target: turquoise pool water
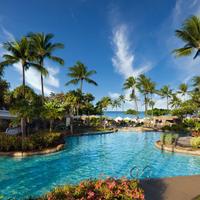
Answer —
(91, 157)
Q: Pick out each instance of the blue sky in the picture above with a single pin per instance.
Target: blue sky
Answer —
(117, 38)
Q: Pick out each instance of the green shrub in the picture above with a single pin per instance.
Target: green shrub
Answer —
(37, 141)
(195, 142)
(98, 189)
(175, 128)
(189, 123)
(168, 138)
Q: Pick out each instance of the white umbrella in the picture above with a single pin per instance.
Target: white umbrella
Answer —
(127, 118)
(118, 119)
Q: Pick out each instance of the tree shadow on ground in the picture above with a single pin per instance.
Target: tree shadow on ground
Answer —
(154, 189)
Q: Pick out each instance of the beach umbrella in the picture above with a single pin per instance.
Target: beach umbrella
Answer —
(127, 119)
(118, 119)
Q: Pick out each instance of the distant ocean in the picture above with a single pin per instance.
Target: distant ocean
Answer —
(114, 114)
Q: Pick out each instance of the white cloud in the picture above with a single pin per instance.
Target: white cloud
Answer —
(114, 95)
(9, 36)
(123, 59)
(34, 80)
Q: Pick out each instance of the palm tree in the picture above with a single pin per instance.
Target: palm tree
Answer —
(18, 52)
(175, 101)
(42, 48)
(183, 89)
(190, 35)
(79, 73)
(116, 103)
(196, 83)
(166, 92)
(144, 85)
(122, 101)
(151, 104)
(130, 83)
(104, 103)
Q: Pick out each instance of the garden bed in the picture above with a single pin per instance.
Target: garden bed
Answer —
(109, 188)
(35, 144)
(177, 149)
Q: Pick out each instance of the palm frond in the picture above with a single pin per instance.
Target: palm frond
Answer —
(56, 59)
(91, 81)
(73, 81)
(184, 51)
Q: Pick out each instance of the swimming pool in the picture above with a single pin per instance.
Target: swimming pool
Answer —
(91, 157)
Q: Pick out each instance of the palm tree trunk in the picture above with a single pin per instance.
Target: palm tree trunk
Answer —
(23, 121)
(51, 126)
(23, 83)
(42, 87)
(167, 104)
(81, 86)
(42, 81)
(136, 106)
(145, 103)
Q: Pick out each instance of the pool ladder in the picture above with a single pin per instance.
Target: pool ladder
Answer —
(138, 175)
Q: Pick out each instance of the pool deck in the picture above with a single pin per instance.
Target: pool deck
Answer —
(176, 188)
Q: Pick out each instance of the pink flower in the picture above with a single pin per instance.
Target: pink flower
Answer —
(90, 195)
(111, 185)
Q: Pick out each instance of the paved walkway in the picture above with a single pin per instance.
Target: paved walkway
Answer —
(176, 188)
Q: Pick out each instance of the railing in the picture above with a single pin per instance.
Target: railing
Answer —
(139, 175)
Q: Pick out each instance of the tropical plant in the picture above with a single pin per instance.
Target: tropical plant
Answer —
(74, 101)
(4, 86)
(169, 138)
(42, 48)
(196, 83)
(152, 104)
(79, 73)
(104, 103)
(98, 189)
(53, 110)
(190, 35)
(131, 83)
(36, 141)
(158, 112)
(195, 142)
(144, 85)
(175, 102)
(131, 112)
(183, 89)
(18, 52)
(122, 101)
(166, 92)
(115, 104)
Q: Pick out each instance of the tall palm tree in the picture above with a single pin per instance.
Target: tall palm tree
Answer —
(175, 102)
(18, 52)
(131, 83)
(42, 48)
(116, 103)
(79, 73)
(166, 92)
(104, 103)
(190, 35)
(144, 84)
(151, 104)
(183, 89)
(122, 101)
(196, 83)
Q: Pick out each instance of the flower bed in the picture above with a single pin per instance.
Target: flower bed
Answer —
(34, 142)
(107, 189)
